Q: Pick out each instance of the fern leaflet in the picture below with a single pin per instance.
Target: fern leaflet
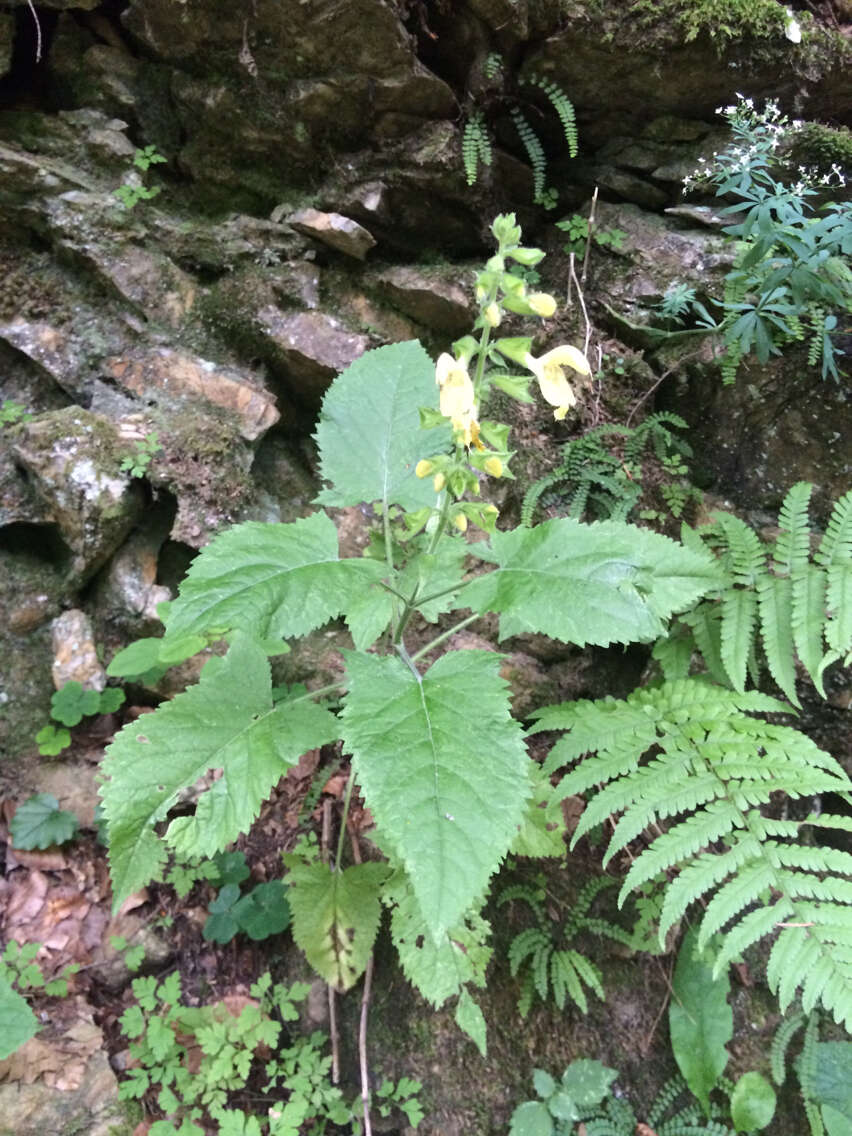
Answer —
(534, 149)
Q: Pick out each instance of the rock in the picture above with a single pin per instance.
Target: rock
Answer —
(74, 784)
(75, 656)
(73, 459)
(7, 36)
(307, 349)
(670, 128)
(109, 965)
(126, 593)
(176, 379)
(60, 1084)
(334, 230)
(51, 348)
(630, 187)
(433, 297)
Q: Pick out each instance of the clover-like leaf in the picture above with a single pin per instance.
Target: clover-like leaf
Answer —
(263, 911)
(39, 823)
(52, 740)
(71, 703)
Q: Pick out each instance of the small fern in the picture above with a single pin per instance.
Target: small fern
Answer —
(476, 146)
(689, 755)
(560, 971)
(801, 606)
(562, 105)
(534, 149)
(617, 1118)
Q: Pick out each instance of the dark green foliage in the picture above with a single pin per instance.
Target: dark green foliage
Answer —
(550, 969)
(604, 470)
(824, 1071)
(534, 149)
(39, 823)
(562, 105)
(476, 146)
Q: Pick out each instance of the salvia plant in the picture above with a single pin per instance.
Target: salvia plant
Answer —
(435, 753)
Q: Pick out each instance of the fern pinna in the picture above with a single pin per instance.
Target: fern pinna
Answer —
(800, 604)
(689, 758)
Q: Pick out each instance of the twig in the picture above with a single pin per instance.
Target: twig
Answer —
(325, 840)
(645, 1045)
(589, 237)
(573, 276)
(38, 30)
(365, 1008)
(665, 375)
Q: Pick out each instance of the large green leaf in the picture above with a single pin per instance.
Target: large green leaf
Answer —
(335, 916)
(19, 1022)
(369, 431)
(271, 580)
(443, 769)
(227, 722)
(599, 583)
(701, 1022)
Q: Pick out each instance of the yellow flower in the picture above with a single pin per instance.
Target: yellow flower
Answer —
(492, 315)
(438, 482)
(493, 466)
(457, 398)
(548, 369)
(423, 468)
(460, 521)
(542, 303)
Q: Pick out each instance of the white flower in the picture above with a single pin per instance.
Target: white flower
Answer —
(793, 30)
(549, 370)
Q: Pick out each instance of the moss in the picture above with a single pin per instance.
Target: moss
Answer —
(822, 146)
(722, 20)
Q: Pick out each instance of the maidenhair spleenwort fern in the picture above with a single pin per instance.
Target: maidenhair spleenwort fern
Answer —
(689, 758)
(548, 967)
(476, 146)
(800, 604)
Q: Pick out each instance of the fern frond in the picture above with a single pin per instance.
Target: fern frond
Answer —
(534, 149)
(476, 146)
(524, 893)
(781, 1043)
(835, 556)
(525, 998)
(540, 969)
(705, 623)
(524, 944)
(739, 610)
(792, 545)
(563, 107)
(713, 768)
(806, 620)
(775, 607)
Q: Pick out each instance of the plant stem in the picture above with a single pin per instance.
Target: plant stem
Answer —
(346, 800)
(439, 639)
(408, 610)
(389, 560)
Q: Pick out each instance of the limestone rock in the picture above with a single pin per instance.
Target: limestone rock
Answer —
(335, 230)
(50, 347)
(75, 656)
(148, 281)
(73, 460)
(175, 379)
(433, 297)
(308, 349)
(127, 592)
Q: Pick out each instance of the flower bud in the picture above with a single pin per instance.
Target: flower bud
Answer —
(460, 521)
(493, 466)
(542, 303)
(439, 481)
(492, 315)
(424, 468)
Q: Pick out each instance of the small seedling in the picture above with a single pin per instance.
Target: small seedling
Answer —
(136, 464)
(69, 705)
(128, 194)
(11, 413)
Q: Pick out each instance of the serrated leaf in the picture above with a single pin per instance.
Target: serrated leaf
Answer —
(335, 916)
(543, 825)
(19, 1022)
(228, 722)
(39, 823)
(700, 1021)
(273, 581)
(598, 583)
(471, 1020)
(443, 769)
(369, 433)
(588, 1081)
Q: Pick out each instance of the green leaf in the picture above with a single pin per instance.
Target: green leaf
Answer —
(39, 822)
(135, 659)
(52, 741)
(700, 1020)
(19, 1022)
(752, 1103)
(230, 867)
(443, 769)
(335, 916)
(832, 1076)
(70, 704)
(470, 1020)
(222, 924)
(531, 1119)
(588, 1081)
(599, 583)
(264, 911)
(270, 580)
(543, 825)
(111, 698)
(543, 1083)
(369, 433)
(228, 722)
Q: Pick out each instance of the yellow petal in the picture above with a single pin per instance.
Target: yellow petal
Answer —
(494, 466)
(542, 303)
(560, 412)
(567, 356)
(492, 315)
(423, 468)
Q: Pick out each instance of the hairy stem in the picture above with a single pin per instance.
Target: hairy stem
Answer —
(439, 639)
